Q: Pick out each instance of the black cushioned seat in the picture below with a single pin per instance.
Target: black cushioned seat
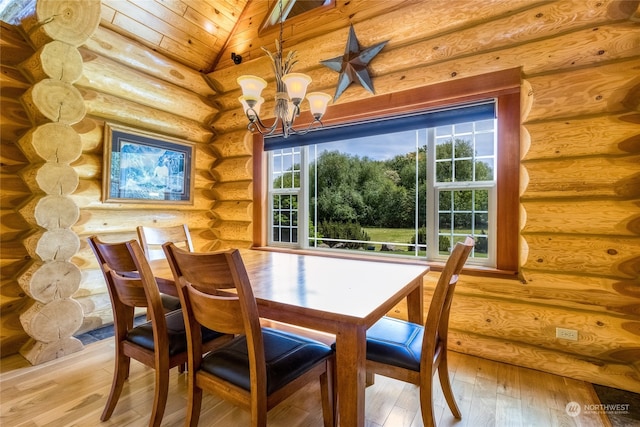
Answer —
(395, 342)
(143, 334)
(287, 356)
(169, 302)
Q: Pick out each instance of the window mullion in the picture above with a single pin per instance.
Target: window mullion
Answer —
(303, 199)
(432, 200)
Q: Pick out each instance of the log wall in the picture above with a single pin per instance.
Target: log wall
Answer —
(580, 145)
(14, 192)
(580, 166)
(120, 81)
(123, 82)
(53, 104)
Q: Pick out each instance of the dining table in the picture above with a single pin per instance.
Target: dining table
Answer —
(338, 295)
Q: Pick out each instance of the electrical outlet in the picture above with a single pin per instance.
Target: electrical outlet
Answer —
(567, 334)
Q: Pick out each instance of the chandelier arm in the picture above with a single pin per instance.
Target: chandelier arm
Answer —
(293, 131)
(258, 125)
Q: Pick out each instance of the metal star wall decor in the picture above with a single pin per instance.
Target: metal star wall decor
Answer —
(352, 66)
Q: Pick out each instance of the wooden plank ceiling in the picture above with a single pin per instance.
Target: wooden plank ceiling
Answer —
(192, 32)
(201, 34)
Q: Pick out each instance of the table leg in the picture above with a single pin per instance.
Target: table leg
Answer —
(351, 370)
(415, 304)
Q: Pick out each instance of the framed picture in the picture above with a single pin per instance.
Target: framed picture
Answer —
(142, 167)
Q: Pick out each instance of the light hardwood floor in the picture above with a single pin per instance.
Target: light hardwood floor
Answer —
(71, 391)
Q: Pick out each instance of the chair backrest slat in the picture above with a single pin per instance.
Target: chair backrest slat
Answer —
(129, 289)
(152, 238)
(216, 312)
(437, 323)
(129, 278)
(214, 287)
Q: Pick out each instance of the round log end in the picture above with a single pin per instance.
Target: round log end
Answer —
(37, 352)
(69, 21)
(58, 245)
(52, 322)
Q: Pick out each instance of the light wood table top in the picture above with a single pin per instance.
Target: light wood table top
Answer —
(341, 296)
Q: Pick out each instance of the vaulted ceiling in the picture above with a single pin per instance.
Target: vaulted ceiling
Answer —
(193, 32)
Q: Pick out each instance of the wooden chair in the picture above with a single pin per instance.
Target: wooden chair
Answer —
(414, 353)
(261, 366)
(160, 343)
(151, 239)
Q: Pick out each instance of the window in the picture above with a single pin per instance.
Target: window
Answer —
(290, 10)
(405, 184)
(400, 191)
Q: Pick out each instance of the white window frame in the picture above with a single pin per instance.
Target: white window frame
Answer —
(432, 211)
(433, 193)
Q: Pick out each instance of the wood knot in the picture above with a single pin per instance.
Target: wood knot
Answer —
(539, 260)
(539, 15)
(599, 323)
(612, 252)
(454, 74)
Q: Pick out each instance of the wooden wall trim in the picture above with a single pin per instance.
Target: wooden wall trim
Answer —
(508, 176)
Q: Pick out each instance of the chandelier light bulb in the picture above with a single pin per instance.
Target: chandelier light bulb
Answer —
(252, 87)
(296, 86)
(318, 102)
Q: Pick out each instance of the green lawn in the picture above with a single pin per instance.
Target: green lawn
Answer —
(391, 235)
(403, 235)
(399, 235)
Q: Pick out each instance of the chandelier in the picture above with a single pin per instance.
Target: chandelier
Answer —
(290, 91)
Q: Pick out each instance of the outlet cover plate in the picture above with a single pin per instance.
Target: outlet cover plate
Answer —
(567, 334)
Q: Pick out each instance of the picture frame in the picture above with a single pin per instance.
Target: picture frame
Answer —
(143, 167)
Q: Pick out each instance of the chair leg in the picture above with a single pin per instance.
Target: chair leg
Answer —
(120, 374)
(370, 379)
(160, 397)
(194, 404)
(258, 407)
(445, 383)
(327, 390)
(426, 400)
